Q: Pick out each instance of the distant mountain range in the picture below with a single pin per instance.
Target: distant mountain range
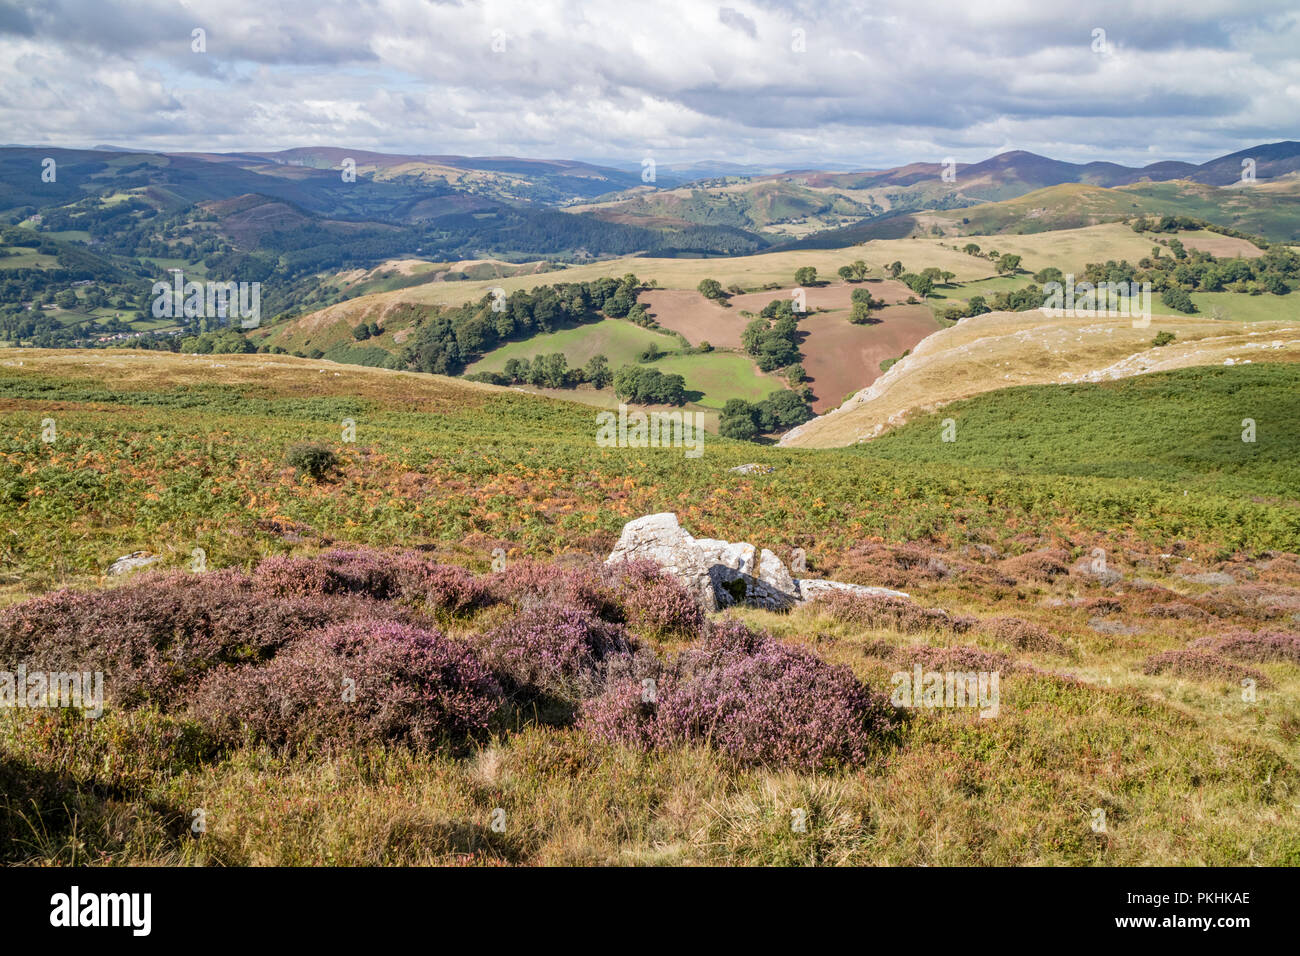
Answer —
(469, 206)
(1028, 171)
(1013, 168)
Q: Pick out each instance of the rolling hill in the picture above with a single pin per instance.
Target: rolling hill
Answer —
(1003, 349)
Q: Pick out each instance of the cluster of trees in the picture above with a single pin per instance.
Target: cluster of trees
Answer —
(862, 304)
(854, 272)
(711, 289)
(1181, 223)
(225, 342)
(632, 383)
(1276, 270)
(549, 371)
(770, 337)
(643, 385)
(445, 341)
(923, 282)
(745, 420)
(1016, 300)
(19, 326)
(1004, 262)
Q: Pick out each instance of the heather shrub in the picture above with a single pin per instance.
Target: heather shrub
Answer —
(1026, 636)
(360, 571)
(1178, 611)
(989, 579)
(1102, 605)
(1201, 665)
(898, 567)
(891, 613)
(655, 604)
(1041, 566)
(554, 657)
(447, 588)
(412, 686)
(1254, 601)
(1260, 647)
(961, 658)
(530, 583)
(755, 699)
(155, 636)
(378, 574)
(882, 650)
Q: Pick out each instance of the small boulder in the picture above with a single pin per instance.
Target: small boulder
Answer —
(812, 588)
(132, 562)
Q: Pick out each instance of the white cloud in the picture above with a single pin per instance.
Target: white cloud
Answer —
(897, 81)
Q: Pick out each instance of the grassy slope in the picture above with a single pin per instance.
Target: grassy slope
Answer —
(430, 464)
(619, 341)
(1002, 349)
(1271, 209)
(1194, 442)
(179, 452)
(720, 376)
(1239, 307)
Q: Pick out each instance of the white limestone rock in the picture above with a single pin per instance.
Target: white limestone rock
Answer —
(721, 573)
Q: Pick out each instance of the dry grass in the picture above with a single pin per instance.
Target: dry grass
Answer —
(1185, 770)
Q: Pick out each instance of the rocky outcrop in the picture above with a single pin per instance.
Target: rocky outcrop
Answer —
(132, 562)
(721, 573)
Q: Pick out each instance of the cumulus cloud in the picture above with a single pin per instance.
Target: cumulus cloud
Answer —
(781, 83)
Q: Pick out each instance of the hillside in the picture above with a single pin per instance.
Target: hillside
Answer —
(1015, 191)
(1003, 349)
(165, 454)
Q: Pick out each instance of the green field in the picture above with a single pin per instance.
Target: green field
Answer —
(25, 257)
(620, 342)
(1241, 307)
(720, 376)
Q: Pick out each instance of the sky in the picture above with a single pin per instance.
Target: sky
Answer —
(777, 84)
